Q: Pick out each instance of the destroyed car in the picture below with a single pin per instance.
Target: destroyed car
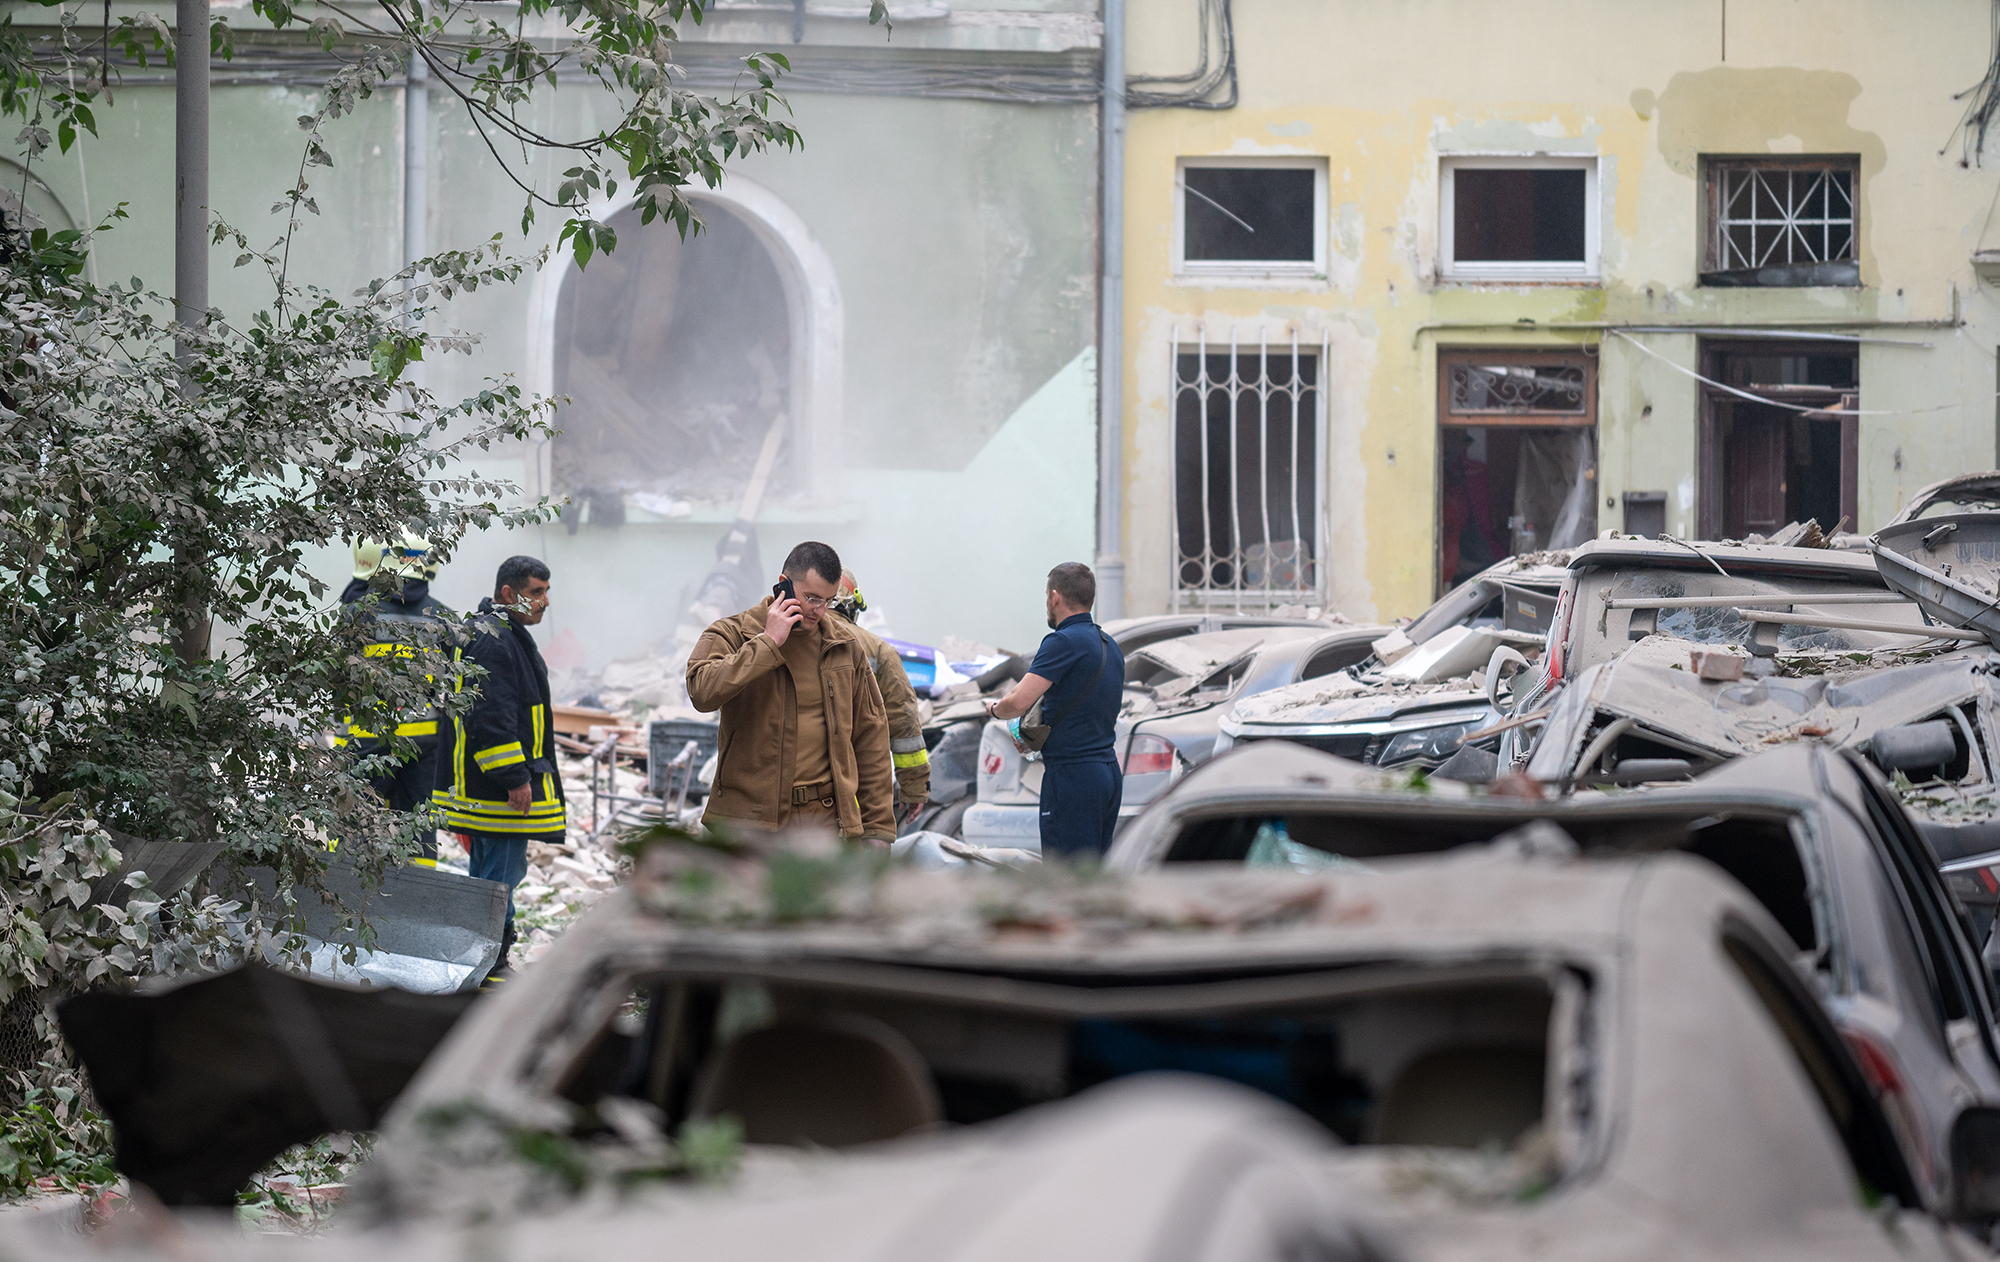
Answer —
(1507, 1045)
(1730, 596)
(958, 721)
(1966, 493)
(1412, 702)
(1815, 835)
(1176, 692)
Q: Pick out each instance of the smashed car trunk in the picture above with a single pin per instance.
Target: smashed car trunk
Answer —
(207, 1082)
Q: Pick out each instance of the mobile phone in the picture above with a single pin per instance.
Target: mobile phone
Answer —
(783, 589)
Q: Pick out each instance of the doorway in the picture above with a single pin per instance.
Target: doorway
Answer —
(1517, 456)
(1788, 455)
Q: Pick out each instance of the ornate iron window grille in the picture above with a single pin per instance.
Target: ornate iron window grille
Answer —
(1248, 487)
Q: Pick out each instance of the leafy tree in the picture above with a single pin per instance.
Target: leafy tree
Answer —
(155, 477)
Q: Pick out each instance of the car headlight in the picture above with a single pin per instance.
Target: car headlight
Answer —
(1431, 744)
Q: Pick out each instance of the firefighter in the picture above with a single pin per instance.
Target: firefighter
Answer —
(497, 780)
(906, 724)
(399, 622)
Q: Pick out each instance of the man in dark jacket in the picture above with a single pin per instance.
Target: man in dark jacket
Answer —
(497, 779)
(401, 621)
(1079, 677)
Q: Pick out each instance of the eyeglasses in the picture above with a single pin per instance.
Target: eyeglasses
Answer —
(814, 602)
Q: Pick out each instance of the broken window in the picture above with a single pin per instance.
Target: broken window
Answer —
(676, 357)
(1781, 222)
(1519, 218)
(1246, 474)
(1261, 215)
(1517, 456)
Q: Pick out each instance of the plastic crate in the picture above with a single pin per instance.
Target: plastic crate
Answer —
(665, 738)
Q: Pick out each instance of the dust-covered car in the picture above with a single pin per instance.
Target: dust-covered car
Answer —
(957, 720)
(1966, 493)
(1758, 598)
(1814, 834)
(1176, 692)
(1505, 1042)
(1414, 704)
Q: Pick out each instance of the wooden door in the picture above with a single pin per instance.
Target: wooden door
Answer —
(1753, 473)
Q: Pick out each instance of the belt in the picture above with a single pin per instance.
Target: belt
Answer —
(805, 793)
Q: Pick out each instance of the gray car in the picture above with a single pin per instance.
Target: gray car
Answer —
(1813, 833)
(1176, 692)
(1415, 710)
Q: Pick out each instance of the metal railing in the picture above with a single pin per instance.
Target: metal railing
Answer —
(1248, 486)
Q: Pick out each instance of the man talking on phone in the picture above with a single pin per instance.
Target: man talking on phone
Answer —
(804, 739)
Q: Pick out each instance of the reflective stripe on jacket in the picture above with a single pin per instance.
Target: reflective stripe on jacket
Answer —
(907, 752)
(398, 626)
(503, 740)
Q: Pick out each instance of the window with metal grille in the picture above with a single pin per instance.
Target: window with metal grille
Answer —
(1247, 437)
(1779, 223)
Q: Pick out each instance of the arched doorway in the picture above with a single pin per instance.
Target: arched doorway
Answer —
(679, 356)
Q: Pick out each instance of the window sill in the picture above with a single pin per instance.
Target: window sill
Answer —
(1499, 280)
(1841, 275)
(1248, 278)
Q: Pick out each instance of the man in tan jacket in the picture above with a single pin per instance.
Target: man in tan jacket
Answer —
(906, 712)
(804, 739)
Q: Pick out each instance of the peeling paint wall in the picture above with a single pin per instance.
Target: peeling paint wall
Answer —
(1382, 91)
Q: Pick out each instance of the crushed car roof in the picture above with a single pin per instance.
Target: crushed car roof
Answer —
(1058, 919)
(1735, 558)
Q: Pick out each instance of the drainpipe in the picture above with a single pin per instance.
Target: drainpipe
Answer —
(190, 161)
(1111, 327)
(416, 178)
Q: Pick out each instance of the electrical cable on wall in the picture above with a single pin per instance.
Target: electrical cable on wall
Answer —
(1202, 80)
(1985, 106)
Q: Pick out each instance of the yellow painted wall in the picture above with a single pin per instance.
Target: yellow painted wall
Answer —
(1381, 89)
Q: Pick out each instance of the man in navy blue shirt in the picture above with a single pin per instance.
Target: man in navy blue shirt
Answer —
(1079, 677)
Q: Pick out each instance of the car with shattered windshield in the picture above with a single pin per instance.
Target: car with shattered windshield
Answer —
(1412, 703)
(1814, 834)
(1480, 1055)
(1176, 691)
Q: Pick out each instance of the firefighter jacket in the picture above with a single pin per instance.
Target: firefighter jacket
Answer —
(397, 626)
(906, 724)
(736, 669)
(503, 739)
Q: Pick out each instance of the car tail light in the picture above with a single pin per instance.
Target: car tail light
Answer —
(1878, 1066)
(1149, 755)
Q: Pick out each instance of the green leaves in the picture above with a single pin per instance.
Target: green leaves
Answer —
(586, 237)
(393, 353)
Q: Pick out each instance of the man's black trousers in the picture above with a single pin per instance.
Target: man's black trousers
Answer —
(1080, 806)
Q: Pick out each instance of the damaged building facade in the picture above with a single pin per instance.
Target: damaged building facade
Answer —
(905, 303)
(1447, 282)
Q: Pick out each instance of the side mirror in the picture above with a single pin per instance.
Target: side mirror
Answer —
(1975, 1164)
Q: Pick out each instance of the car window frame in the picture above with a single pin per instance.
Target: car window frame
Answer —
(1917, 875)
(1873, 1152)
